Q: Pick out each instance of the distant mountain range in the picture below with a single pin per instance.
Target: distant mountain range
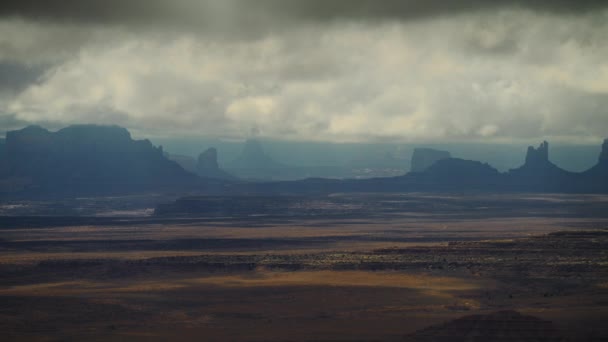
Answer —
(253, 156)
(86, 159)
(206, 166)
(254, 164)
(538, 174)
(105, 159)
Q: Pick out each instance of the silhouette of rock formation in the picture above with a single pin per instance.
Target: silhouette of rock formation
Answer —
(538, 156)
(3, 165)
(208, 160)
(207, 165)
(539, 174)
(253, 156)
(423, 158)
(90, 158)
(454, 170)
(597, 176)
(254, 163)
(603, 158)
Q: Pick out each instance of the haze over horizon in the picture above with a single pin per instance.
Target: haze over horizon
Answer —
(409, 72)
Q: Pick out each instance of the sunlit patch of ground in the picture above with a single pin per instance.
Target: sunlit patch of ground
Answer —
(24, 258)
(342, 278)
(397, 229)
(436, 285)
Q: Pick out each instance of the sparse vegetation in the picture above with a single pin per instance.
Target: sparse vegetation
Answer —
(375, 273)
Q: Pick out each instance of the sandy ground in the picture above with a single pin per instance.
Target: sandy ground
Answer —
(316, 279)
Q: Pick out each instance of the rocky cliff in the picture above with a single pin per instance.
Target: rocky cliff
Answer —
(207, 165)
(597, 176)
(538, 156)
(539, 174)
(89, 158)
(253, 156)
(3, 165)
(459, 171)
(254, 163)
(603, 158)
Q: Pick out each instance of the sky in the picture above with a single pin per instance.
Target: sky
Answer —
(366, 71)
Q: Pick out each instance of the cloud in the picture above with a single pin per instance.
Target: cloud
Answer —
(39, 31)
(399, 71)
(14, 77)
(160, 11)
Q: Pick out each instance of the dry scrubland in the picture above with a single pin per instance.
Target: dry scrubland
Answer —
(362, 277)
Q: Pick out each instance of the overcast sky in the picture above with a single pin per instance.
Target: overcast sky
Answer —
(331, 70)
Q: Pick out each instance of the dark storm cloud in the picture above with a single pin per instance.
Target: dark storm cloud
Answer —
(412, 9)
(191, 12)
(15, 77)
(85, 10)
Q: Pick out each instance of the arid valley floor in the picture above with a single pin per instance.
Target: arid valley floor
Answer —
(362, 267)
